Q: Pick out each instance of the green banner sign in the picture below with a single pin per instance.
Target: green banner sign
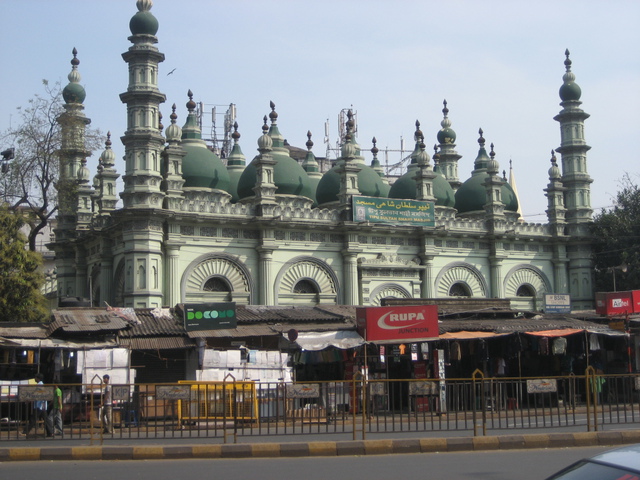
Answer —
(393, 211)
(209, 316)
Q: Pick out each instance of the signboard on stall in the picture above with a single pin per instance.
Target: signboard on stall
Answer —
(398, 323)
(209, 316)
(557, 303)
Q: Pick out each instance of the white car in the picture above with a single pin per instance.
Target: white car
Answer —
(620, 464)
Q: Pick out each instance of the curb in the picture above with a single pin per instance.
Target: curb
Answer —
(325, 449)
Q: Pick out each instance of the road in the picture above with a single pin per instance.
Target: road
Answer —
(487, 465)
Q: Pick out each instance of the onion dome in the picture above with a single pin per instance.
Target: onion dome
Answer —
(406, 186)
(446, 133)
(235, 164)
(174, 132)
(493, 167)
(74, 92)
(472, 194)
(108, 157)
(289, 176)
(143, 22)
(369, 182)
(200, 167)
(554, 171)
(83, 172)
(569, 89)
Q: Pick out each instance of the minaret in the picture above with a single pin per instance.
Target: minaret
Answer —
(448, 157)
(494, 208)
(236, 163)
(375, 163)
(106, 198)
(310, 165)
(424, 175)
(142, 140)
(573, 151)
(265, 188)
(172, 157)
(72, 152)
(514, 187)
(575, 178)
(84, 211)
(556, 214)
(143, 232)
(348, 169)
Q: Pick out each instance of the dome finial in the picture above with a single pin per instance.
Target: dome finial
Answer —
(265, 127)
(445, 110)
(191, 105)
(174, 115)
(567, 61)
(481, 139)
(374, 149)
(418, 133)
(144, 5)
(273, 115)
(309, 143)
(236, 134)
(107, 143)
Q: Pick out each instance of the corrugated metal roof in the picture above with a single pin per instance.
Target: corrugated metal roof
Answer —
(158, 343)
(155, 323)
(241, 331)
(73, 320)
(26, 331)
(257, 313)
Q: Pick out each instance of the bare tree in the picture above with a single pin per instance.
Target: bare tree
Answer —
(29, 180)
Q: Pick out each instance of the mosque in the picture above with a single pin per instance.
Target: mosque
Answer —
(192, 227)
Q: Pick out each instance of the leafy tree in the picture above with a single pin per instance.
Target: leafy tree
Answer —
(617, 240)
(20, 276)
(29, 180)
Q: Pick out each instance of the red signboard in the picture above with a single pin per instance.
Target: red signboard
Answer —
(614, 303)
(399, 323)
(635, 296)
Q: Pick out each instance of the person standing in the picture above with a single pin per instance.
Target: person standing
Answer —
(107, 406)
(56, 411)
(39, 412)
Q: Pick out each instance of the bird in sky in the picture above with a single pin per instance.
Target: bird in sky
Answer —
(171, 72)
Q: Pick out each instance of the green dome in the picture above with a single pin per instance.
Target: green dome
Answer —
(143, 23)
(74, 93)
(405, 187)
(369, 184)
(570, 91)
(472, 194)
(203, 168)
(446, 135)
(288, 176)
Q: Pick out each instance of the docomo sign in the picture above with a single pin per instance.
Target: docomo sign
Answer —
(397, 323)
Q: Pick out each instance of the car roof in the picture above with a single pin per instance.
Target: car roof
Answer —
(627, 457)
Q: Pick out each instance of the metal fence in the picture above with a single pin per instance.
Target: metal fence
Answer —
(232, 409)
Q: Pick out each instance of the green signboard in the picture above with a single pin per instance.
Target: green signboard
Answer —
(209, 316)
(393, 211)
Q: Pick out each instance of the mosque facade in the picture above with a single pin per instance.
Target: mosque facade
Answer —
(190, 227)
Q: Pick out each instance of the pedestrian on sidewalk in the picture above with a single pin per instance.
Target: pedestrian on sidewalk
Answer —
(55, 416)
(107, 406)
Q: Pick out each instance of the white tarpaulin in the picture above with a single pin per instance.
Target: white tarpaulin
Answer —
(320, 340)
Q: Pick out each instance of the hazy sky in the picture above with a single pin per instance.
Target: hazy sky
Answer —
(499, 65)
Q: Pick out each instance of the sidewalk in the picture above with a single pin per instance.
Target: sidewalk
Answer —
(154, 449)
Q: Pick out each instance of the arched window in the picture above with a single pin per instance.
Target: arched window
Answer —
(305, 287)
(525, 291)
(459, 290)
(216, 284)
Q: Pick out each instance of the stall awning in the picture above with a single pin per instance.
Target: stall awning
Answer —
(464, 335)
(343, 339)
(556, 333)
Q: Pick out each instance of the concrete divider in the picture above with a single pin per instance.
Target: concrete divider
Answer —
(319, 448)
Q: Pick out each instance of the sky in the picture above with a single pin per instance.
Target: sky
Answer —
(498, 64)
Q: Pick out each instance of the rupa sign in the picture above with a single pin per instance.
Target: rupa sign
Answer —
(399, 323)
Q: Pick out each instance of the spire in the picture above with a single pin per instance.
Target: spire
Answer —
(481, 160)
(310, 163)
(74, 92)
(512, 182)
(236, 157)
(375, 163)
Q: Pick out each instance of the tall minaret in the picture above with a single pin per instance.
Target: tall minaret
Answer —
(573, 150)
(448, 157)
(142, 140)
(72, 153)
(143, 182)
(576, 180)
